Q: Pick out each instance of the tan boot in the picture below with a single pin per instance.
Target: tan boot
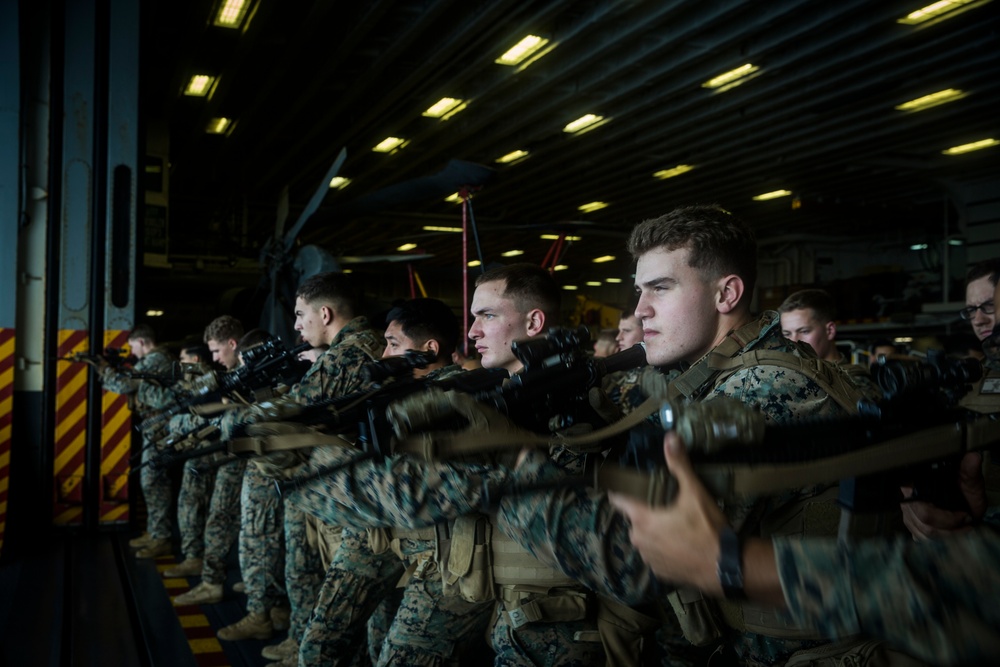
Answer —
(292, 661)
(251, 626)
(286, 649)
(280, 618)
(191, 567)
(154, 549)
(203, 593)
(141, 541)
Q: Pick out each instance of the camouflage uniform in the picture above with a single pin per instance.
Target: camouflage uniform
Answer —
(934, 600)
(222, 526)
(150, 396)
(261, 541)
(195, 494)
(578, 531)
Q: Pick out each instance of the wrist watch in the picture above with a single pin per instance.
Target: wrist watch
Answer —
(730, 566)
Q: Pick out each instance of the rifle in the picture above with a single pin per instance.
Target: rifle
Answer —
(170, 445)
(915, 434)
(116, 357)
(265, 365)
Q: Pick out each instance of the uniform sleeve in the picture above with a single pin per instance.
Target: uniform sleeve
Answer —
(934, 600)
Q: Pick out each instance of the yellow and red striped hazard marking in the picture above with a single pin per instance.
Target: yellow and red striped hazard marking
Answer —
(6, 419)
(199, 632)
(71, 429)
(116, 444)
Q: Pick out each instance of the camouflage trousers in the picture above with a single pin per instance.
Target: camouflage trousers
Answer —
(545, 644)
(156, 490)
(355, 583)
(430, 629)
(261, 541)
(303, 569)
(223, 523)
(192, 506)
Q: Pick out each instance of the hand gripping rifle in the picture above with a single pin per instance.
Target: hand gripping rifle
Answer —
(116, 357)
(179, 447)
(265, 365)
(915, 434)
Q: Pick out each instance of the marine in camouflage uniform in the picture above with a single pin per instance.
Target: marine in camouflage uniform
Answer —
(261, 542)
(195, 494)
(150, 397)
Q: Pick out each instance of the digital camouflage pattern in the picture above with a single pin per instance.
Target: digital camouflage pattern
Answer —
(197, 481)
(147, 397)
(934, 600)
(261, 541)
(222, 526)
(579, 532)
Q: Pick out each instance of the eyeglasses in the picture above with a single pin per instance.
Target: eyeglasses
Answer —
(986, 306)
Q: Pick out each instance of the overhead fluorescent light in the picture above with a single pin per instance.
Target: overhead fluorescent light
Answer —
(933, 11)
(434, 228)
(389, 144)
(675, 171)
(555, 237)
(347, 271)
(218, 126)
(560, 267)
(513, 156)
(445, 108)
(592, 206)
(154, 313)
(932, 100)
(569, 287)
(731, 76)
(594, 283)
(454, 199)
(339, 182)
(603, 258)
(918, 246)
(406, 246)
(613, 280)
(529, 46)
(474, 262)
(585, 123)
(199, 85)
(231, 13)
(956, 242)
(774, 194)
(968, 148)
(512, 253)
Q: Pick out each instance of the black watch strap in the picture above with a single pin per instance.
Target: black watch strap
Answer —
(730, 565)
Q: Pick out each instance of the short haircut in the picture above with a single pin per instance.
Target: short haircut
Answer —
(196, 348)
(252, 338)
(630, 306)
(720, 243)
(820, 301)
(529, 287)
(142, 331)
(427, 319)
(223, 328)
(330, 289)
(986, 268)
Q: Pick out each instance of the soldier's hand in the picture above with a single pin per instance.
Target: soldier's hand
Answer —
(927, 522)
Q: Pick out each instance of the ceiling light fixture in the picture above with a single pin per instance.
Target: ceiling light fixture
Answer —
(585, 123)
(603, 258)
(592, 206)
(512, 253)
(675, 171)
(730, 77)
(199, 85)
(389, 145)
(406, 246)
(218, 126)
(932, 100)
(434, 228)
(231, 13)
(933, 11)
(339, 183)
(512, 157)
(154, 313)
(530, 45)
(774, 194)
(454, 199)
(555, 237)
(569, 287)
(918, 246)
(445, 108)
(560, 267)
(613, 281)
(594, 283)
(474, 262)
(968, 148)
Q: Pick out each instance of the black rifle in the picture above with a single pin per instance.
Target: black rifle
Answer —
(116, 357)
(915, 435)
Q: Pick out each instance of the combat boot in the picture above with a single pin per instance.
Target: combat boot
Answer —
(154, 549)
(203, 593)
(191, 567)
(141, 541)
(251, 626)
(292, 661)
(286, 649)
(280, 617)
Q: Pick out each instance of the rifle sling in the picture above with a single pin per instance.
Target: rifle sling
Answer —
(265, 444)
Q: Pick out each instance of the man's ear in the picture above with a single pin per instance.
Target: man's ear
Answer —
(233, 343)
(535, 322)
(831, 330)
(431, 345)
(327, 315)
(730, 293)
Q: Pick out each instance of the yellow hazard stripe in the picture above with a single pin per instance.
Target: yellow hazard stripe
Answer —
(206, 645)
(194, 621)
(68, 516)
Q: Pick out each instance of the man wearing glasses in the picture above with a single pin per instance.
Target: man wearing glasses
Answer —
(979, 310)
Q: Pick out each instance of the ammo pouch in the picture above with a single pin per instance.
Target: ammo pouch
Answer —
(697, 616)
(622, 631)
(324, 538)
(378, 540)
(853, 651)
(420, 564)
(465, 560)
